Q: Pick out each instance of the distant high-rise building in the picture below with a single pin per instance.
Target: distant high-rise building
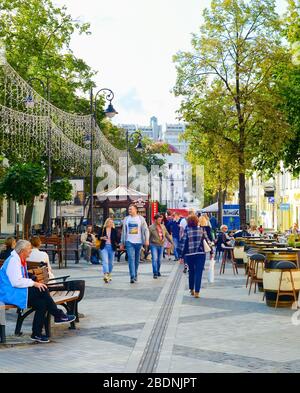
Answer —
(153, 131)
(176, 169)
(172, 135)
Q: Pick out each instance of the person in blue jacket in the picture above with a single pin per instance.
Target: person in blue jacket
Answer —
(17, 288)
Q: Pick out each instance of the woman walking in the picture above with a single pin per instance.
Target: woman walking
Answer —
(108, 246)
(192, 250)
(157, 238)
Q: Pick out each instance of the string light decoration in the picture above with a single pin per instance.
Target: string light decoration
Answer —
(25, 117)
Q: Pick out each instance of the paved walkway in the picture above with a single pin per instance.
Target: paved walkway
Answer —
(156, 326)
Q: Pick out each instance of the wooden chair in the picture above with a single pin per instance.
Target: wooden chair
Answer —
(228, 252)
(255, 271)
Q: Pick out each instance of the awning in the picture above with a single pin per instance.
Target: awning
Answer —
(213, 208)
(121, 192)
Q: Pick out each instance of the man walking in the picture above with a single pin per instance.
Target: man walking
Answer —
(135, 233)
(175, 228)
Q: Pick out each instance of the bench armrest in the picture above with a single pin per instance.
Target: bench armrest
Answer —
(58, 278)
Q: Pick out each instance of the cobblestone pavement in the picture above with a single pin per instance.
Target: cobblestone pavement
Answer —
(225, 330)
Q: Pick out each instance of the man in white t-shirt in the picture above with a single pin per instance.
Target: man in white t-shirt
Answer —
(183, 223)
(135, 233)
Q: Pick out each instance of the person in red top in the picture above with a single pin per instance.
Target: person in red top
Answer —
(158, 236)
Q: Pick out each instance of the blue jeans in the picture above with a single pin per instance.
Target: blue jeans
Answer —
(133, 252)
(176, 244)
(107, 255)
(156, 253)
(196, 265)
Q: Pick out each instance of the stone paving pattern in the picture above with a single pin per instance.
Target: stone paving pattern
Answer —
(225, 330)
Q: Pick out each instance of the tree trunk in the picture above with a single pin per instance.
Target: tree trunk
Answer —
(242, 198)
(220, 207)
(28, 217)
(23, 221)
(46, 215)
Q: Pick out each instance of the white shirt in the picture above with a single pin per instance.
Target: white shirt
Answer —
(14, 273)
(134, 232)
(40, 256)
(183, 224)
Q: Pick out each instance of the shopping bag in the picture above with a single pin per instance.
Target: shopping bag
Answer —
(211, 271)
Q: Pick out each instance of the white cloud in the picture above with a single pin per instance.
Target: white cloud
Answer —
(132, 45)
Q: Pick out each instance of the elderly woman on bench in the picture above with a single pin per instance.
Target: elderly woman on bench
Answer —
(17, 288)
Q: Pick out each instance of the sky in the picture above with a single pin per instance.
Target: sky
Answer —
(132, 45)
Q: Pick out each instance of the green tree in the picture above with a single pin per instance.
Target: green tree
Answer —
(208, 146)
(22, 183)
(235, 53)
(37, 37)
(288, 82)
(61, 190)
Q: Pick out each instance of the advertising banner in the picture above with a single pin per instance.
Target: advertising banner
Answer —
(231, 216)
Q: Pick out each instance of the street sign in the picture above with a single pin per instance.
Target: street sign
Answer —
(285, 206)
(231, 216)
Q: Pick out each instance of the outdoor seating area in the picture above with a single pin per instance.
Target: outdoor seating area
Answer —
(274, 268)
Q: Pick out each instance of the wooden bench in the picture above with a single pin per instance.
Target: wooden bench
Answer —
(65, 298)
(70, 244)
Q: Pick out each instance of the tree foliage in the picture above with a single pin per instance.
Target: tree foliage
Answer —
(61, 190)
(232, 62)
(288, 83)
(21, 182)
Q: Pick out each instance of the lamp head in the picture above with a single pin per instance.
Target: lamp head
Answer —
(110, 111)
(139, 147)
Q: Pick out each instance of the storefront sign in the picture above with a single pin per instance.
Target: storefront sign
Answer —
(285, 206)
(72, 211)
(154, 210)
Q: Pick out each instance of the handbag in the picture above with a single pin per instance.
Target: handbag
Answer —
(100, 241)
(206, 246)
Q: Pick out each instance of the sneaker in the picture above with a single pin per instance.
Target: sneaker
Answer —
(106, 278)
(158, 274)
(132, 281)
(135, 278)
(155, 276)
(196, 294)
(40, 339)
(64, 318)
(109, 277)
(192, 292)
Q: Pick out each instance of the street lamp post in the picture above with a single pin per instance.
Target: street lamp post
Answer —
(110, 112)
(29, 103)
(139, 148)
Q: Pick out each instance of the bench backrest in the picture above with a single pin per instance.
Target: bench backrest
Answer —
(41, 274)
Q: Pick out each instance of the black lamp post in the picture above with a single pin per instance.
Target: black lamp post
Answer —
(139, 147)
(110, 112)
(29, 103)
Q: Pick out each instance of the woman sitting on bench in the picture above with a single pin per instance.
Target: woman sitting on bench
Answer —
(18, 289)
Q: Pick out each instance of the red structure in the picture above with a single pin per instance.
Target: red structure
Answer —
(182, 212)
